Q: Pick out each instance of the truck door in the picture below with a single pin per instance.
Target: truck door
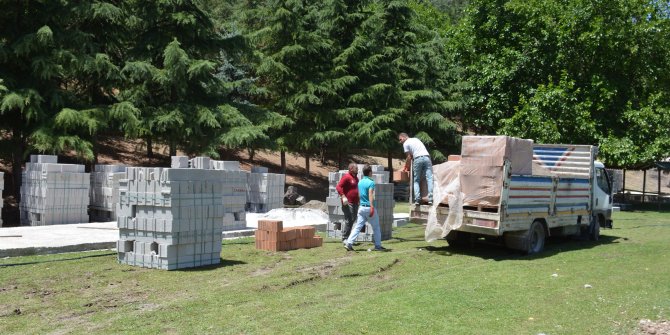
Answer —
(602, 194)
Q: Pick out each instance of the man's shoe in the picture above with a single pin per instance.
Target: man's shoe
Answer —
(348, 247)
(380, 249)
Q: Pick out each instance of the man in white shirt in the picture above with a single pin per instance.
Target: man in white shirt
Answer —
(416, 151)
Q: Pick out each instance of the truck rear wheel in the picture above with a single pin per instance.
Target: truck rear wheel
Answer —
(535, 238)
(458, 239)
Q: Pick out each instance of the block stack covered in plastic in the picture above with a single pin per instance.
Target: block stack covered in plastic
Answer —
(104, 192)
(53, 193)
(171, 218)
(384, 204)
(234, 197)
(265, 191)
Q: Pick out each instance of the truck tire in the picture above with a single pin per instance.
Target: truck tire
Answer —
(594, 228)
(458, 239)
(535, 238)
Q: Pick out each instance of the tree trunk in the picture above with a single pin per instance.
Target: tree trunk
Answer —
(96, 151)
(339, 159)
(173, 148)
(623, 187)
(17, 161)
(150, 147)
(658, 195)
(252, 153)
(389, 163)
(306, 164)
(282, 154)
(644, 184)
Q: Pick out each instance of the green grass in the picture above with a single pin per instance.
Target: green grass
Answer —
(417, 288)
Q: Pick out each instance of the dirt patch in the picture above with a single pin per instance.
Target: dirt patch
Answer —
(648, 327)
(325, 269)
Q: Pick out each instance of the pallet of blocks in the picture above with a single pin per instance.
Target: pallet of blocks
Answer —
(53, 193)
(2, 187)
(170, 218)
(234, 197)
(104, 194)
(265, 191)
(272, 236)
(384, 204)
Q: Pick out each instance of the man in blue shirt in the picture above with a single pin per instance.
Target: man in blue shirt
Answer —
(366, 211)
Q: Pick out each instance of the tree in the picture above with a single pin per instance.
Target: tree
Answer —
(55, 66)
(397, 81)
(578, 69)
(176, 79)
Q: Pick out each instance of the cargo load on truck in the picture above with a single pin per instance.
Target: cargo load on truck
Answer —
(521, 192)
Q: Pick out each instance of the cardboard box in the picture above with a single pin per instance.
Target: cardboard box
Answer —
(494, 150)
(401, 176)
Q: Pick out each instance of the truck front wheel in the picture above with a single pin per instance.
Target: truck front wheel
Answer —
(594, 228)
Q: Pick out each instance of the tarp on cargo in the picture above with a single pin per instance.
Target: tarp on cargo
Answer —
(446, 190)
(482, 161)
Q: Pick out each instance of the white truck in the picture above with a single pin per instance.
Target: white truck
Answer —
(567, 193)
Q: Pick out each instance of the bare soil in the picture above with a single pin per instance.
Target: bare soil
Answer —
(648, 327)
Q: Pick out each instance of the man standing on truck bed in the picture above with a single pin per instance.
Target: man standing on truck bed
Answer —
(347, 188)
(416, 151)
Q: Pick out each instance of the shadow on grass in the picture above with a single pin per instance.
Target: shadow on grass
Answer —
(497, 251)
(57, 260)
(224, 263)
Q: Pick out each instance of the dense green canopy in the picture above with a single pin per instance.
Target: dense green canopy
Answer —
(334, 76)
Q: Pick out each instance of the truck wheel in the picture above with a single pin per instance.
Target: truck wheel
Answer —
(594, 228)
(535, 238)
(458, 239)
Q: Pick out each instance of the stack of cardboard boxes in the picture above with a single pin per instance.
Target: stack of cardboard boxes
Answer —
(384, 204)
(481, 166)
(53, 193)
(265, 191)
(104, 193)
(170, 218)
(272, 236)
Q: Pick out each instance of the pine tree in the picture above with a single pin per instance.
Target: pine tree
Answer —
(58, 76)
(396, 88)
(174, 79)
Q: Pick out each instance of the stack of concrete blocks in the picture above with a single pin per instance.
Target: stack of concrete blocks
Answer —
(53, 193)
(234, 197)
(104, 193)
(272, 236)
(2, 187)
(384, 204)
(265, 191)
(170, 218)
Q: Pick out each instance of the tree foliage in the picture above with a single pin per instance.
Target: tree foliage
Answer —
(569, 71)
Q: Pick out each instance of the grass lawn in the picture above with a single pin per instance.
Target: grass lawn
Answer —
(574, 287)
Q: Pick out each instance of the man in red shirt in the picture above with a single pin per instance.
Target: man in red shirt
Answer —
(347, 188)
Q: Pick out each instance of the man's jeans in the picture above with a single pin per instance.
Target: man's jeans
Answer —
(422, 165)
(350, 212)
(364, 216)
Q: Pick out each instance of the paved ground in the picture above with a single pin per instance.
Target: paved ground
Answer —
(22, 241)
